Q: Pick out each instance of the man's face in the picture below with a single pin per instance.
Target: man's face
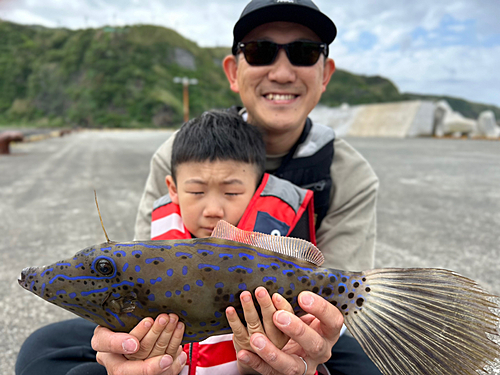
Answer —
(280, 96)
(211, 191)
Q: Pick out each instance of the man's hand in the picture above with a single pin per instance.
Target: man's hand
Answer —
(151, 348)
(312, 338)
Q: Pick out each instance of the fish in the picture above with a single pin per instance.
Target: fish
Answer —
(407, 320)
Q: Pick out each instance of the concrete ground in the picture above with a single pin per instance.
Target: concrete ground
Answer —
(439, 206)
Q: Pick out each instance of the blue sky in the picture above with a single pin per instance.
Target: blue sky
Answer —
(444, 47)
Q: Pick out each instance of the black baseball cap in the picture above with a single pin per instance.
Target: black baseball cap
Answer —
(304, 12)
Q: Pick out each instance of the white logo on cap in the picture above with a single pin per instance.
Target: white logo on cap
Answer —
(285, 1)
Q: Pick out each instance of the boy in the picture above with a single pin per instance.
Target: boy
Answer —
(218, 174)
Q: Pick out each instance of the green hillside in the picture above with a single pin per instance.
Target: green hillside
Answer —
(123, 77)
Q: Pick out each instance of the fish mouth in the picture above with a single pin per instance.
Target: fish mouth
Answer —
(24, 273)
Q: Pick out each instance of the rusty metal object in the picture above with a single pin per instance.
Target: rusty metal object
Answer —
(7, 137)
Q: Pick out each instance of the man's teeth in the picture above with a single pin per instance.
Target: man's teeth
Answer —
(280, 97)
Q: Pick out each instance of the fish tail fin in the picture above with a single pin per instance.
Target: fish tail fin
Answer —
(426, 321)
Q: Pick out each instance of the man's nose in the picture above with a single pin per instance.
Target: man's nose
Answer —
(282, 70)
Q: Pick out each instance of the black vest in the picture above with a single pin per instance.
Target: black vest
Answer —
(308, 164)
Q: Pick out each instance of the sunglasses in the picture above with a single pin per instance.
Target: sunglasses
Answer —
(300, 53)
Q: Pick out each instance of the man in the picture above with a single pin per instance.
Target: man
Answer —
(279, 85)
(280, 68)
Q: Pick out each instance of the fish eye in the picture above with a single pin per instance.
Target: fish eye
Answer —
(104, 266)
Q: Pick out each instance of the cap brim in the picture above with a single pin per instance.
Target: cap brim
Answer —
(311, 18)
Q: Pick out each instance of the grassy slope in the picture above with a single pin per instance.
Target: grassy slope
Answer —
(123, 77)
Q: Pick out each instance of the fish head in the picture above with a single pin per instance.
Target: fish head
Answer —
(91, 284)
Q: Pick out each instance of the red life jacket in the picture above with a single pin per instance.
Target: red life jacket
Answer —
(278, 207)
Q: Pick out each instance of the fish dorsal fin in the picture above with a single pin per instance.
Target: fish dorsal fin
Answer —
(293, 247)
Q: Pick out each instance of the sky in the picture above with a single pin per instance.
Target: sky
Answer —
(441, 47)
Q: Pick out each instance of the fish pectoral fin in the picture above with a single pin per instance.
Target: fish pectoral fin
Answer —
(124, 304)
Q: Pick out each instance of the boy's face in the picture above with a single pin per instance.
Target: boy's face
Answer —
(207, 192)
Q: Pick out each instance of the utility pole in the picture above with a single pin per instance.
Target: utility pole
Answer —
(185, 83)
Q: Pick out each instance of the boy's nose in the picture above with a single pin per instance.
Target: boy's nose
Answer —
(213, 210)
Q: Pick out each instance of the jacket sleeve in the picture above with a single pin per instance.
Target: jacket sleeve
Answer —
(154, 189)
(347, 233)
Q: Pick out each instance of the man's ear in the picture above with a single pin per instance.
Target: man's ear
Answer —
(230, 66)
(172, 189)
(328, 71)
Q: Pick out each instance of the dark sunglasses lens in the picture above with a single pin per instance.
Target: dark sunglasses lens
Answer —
(304, 53)
(260, 53)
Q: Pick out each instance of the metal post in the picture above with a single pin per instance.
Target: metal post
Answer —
(185, 95)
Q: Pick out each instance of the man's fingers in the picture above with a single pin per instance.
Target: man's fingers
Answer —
(276, 361)
(107, 341)
(164, 365)
(313, 343)
(329, 316)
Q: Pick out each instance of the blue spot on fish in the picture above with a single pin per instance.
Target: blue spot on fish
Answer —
(215, 268)
(186, 335)
(72, 295)
(137, 268)
(60, 292)
(79, 265)
(137, 252)
(292, 286)
(94, 291)
(281, 290)
(184, 270)
(219, 285)
(170, 272)
(287, 272)
(217, 314)
(266, 266)
(187, 288)
(178, 292)
(226, 255)
(199, 282)
(242, 286)
(231, 298)
(157, 259)
(215, 324)
(241, 255)
(168, 294)
(125, 267)
(181, 254)
(151, 297)
(123, 283)
(203, 324)
(105, 248)
(154, 281)
(63, 264)
(153, 310)
(275, 265)
(116, 295)
(140, 281)
(184, 313)
(121, 252)
(47, 270)
(205, 251)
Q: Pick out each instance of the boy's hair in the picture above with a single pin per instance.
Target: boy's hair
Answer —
(218, 136)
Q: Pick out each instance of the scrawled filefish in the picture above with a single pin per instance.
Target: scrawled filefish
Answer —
(408, 321)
